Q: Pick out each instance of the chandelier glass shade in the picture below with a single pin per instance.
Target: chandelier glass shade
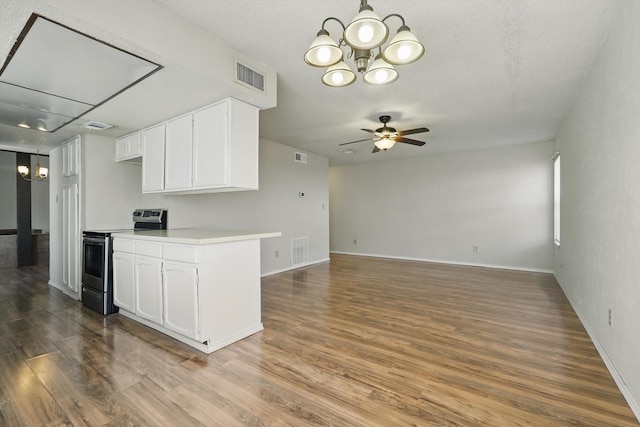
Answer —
(365, 33)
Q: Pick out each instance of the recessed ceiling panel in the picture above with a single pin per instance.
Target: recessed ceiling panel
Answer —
(62, 69)
(14, 115)
(25, 98)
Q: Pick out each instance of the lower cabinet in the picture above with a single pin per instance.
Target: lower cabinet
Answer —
(148, 285)
(123, 275)
(205, 295)
(180, 285)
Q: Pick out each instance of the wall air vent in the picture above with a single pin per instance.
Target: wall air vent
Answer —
(247, 76)
(93, 125)
(299, 251)
(300, 157)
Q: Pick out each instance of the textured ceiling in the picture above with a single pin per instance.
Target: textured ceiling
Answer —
(495, 72)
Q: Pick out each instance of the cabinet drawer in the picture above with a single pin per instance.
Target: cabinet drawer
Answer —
(149, 249)
(181, 253)
(123, 245)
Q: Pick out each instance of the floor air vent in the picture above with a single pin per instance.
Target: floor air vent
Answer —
(249, 77)
(299, 251)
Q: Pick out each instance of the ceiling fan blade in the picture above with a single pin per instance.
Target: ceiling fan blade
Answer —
(410, 141)
(353, 142)
(375, 149)
(412, 131)
(370, 131)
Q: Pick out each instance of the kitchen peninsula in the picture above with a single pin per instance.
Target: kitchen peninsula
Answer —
(199, 286)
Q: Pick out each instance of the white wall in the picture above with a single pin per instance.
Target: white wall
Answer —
(597, 262)
(437, 207)
(8, 210)
(111, 191)
(276, 206)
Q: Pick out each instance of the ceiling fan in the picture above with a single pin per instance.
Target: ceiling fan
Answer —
(386, 136)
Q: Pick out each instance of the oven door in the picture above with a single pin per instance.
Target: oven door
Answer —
(95, 262)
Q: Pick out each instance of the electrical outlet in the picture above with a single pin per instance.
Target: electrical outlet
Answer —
(355, 242)
(609, 320)
(475, 248)
(277, 254)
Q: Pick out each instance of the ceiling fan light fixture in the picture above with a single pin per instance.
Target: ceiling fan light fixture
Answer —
(324, 51)
(385, 143)
(366, 30)
(380, 72)
(339, 75)
(404, 48)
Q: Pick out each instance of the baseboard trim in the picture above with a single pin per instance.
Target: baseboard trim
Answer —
(439, 261)
(626, 393)
(64, 290)
(271, 273)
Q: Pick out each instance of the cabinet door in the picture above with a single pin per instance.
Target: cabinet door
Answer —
(134, 145)
(178, 142)
(71, 237)
(210, 146)
(153, 159)
(180, 281)
(123, 281)
(148, 284)
(121, 149)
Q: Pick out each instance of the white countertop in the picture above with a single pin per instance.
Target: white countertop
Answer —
(194, 236)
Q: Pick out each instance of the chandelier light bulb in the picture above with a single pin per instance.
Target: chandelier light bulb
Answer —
(404, 48)
(324, 51)
(380, 72)
(365, 33)
(366, 30)
(339, 75)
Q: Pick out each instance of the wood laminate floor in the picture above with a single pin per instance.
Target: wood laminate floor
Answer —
(354, 342)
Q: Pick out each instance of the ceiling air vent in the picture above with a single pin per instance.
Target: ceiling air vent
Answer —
(93, 125)
(249, 77)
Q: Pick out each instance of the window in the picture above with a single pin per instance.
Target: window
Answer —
(556, 199)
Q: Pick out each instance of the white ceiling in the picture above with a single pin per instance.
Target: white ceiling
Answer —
(495, 72)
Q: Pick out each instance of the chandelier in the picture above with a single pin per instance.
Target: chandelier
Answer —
(41, 172)
(363, 35)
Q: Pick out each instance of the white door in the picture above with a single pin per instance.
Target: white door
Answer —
(153, 159)
(180, 282)
(71, 237)
(211, 146)
(148, 284)
(178, 143)
(123, 281)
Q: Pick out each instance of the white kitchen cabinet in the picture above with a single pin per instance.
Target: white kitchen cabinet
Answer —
(153, 159)
(148, 286)
(71, 243)
(181, 310)
(209, 293)
(225, 147)
(71, 157)
(124, 276)
(178, 157)
(129, 147)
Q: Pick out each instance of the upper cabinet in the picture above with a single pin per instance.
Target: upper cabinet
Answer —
(210, 150)
(129, 147)
(71, 157)
(153, 159)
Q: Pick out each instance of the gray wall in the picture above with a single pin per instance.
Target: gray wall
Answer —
(438, 207)
(8, 176)
(597, 261)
